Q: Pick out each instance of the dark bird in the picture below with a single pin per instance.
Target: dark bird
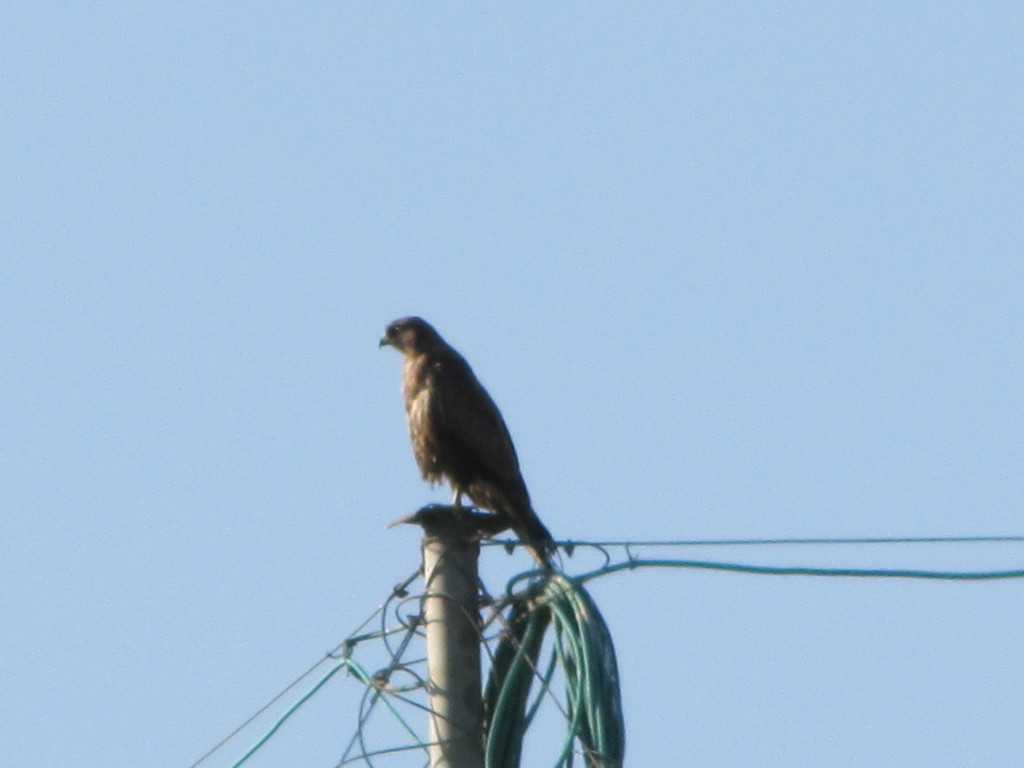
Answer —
(458, 434)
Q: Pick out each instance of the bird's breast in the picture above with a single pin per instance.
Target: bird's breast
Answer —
(422, 431)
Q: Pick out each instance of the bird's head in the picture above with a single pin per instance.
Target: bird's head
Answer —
(409, 335)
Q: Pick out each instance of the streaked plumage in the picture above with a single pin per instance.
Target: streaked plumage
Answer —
(458, 433)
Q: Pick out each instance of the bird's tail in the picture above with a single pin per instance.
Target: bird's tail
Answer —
(512, 503)
(535, 536)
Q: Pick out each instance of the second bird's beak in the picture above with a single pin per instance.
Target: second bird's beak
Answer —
(384, 342)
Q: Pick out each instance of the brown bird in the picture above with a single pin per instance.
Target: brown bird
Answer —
(458, 434)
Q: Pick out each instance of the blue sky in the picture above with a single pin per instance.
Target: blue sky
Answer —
(730, 271)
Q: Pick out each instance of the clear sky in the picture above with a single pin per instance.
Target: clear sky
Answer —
(730, 270)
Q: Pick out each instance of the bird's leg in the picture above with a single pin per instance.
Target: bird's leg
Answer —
(457, 508)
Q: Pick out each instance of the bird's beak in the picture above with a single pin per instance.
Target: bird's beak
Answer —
(384, 342)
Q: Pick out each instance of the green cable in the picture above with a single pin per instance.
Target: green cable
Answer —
(803, 571)
(289, 712)
(582, 649)
(348, 664)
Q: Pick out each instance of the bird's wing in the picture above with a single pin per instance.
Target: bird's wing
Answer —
(465, 415)
(465, 412)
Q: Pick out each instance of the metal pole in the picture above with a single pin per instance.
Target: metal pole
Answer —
(451, 612)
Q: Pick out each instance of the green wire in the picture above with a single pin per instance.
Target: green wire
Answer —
(352, 666)
(582, 649)
(508, 685)
(803, 571)
(290, 711)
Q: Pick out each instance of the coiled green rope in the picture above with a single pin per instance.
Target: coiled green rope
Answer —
(582, 651)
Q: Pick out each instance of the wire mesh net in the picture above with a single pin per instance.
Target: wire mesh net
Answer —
(548, 654)
(548, 658)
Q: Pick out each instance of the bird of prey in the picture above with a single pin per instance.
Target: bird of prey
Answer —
(458, 433)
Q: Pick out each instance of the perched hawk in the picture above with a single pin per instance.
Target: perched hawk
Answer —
(458, 434)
